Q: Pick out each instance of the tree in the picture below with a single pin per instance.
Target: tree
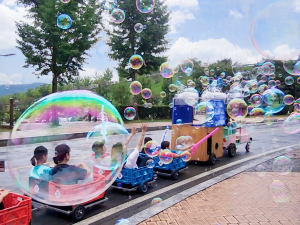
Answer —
(104, 82)
(120, 93)
(53, 50)
(124, 41)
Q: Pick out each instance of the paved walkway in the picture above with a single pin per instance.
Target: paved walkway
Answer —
(249, 198)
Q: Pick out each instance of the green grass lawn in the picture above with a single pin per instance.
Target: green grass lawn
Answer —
(4, 129)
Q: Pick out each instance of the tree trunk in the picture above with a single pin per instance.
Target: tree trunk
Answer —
(135, 105)
(54, 83)
(55, 119)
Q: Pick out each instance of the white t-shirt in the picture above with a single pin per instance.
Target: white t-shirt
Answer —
(132, 158)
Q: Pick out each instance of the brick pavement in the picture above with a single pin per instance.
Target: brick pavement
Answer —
(250, 198)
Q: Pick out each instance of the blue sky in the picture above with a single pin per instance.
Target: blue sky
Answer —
(206, 29)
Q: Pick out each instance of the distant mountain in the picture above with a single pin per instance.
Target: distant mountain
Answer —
(16, 88)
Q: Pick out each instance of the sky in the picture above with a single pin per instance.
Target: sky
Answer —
(209, 30)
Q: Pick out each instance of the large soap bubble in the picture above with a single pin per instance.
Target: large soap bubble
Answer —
(256, 100)
(291, 124)
(65, 117)
(204, 112)
(166, 71)
(184, 143)
(118, 16)
(136, 62)
(237, 107)
(275, 32)
(187, 66)
(135, 87)
(145, 6)
(274, 99)
(292, 67)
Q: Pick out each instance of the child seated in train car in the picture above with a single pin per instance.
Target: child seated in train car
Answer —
(100, 156)
(142, 160)
(39, 170)
(166, 145)
(66, 174)
(3, 194)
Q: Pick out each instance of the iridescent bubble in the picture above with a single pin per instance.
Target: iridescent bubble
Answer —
(109, 4)
(255, 72)
(280, 75)
(186, 156)
(123, 222)
(277, 83)
(179, 121)
(64, 21)
(183, 143)
(150, 105)
(272, 83)
(146, 93)
(264, 78)
(239, 121)
(171, 105)
(145, 105)
(298, 80)
(280, 191)
(267, 68)
(145, 27)
(190, 96)
(172, 87)
(262, 88)
(253, 86)
(150, 163)
(192, 84)
(291, 124)
(65, 1)
(136, 62)
(292, 67)
(288, 99)
(274, 99)
(203, 112)
(237, 107)
(204, 80)
(145, 6)
(129, 113)
(258, 112)
(165, 156)
(269, 118)
(163, 94)
(152, 148)
(273, 39)
(223, 74)
(206, 71)
(282, 165)
(289, 80)
(250, 107)
(256, 100)
(212, 72)
(118, 16)
(138, 28)
(166, 71)
(155, 201)
(237, 69)
(187, 66)
(135, 87)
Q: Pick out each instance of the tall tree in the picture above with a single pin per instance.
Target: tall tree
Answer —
(124, 41)
(104, 82)
(51, 49)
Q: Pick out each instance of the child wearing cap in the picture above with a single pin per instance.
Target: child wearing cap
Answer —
(39, 170)
(66, 174)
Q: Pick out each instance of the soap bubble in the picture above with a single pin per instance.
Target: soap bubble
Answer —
(64, 21)
(262, 88)
(289, 80)
(166, 71)
(145, 105)
(239, 121)
(298, 80)
(204, 80)
(274, 99)
(253, 86)
(288, 99)
(135, 87)
(250, 107)
(272, 76)
(257, 112)
(172, 87)
(292, 67)
(291, 124)
(59, 111)
(150, 105)
(277, 83)
(179, 121)
(267, 68)
(186, 156)
(264, 78)
(269, 118)
(138, 28)
(155, 201)
(212, 72)
(129, 113)
(136, 62)
(282, 165)
(187, 66)
(237, 107)
(204, 112)
(184, 142)
(274, 31)
(150, 163)
(146, 93)
(190, 96)
(109, 4)
(65, 1)
(256, 100)
(118, 16)
(206, 71)
(165, 156)
(272, 83)
(152, 148)
(145, 6)
(163, 94)
(223, 74)
(171, 105)
(123, 222)
(280, 191)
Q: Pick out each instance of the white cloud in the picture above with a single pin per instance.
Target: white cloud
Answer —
(281, 52)
(235, 14)
(15, 78)
(182, 3)
(8, 28)
(210, 51)
(9, 2)
(179, 17)
(297, 6)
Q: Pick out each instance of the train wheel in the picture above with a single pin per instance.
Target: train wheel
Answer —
(232, 150)
(212, 159)
(143, 187)
(78, 212)
(175, 174)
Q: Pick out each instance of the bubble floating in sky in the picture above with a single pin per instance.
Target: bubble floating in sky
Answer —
(138, 28)
(129, 113)
(289, 80)
(172, 87)
(136, 62)
(163, 94)
(274, 31)
(187, 66)
(135, 87)
(237, 107)
(262, 88)
(109, 4)
(64, 21)
(145, 6)
(118, 16)
(146, 93)
(166, 71)
(152, 148)
(274, 99)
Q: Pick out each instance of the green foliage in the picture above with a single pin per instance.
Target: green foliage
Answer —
(157, 112)
(50, 49)
(120, 93)
(104, 83)
(125, 42)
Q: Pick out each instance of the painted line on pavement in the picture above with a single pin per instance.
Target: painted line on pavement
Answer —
(126, 205)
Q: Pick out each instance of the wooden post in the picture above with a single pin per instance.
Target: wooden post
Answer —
(11, 113)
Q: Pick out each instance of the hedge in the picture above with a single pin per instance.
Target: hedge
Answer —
(161, 112)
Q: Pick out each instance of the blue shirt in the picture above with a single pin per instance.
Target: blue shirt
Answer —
(41, 172)
(67, 174)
